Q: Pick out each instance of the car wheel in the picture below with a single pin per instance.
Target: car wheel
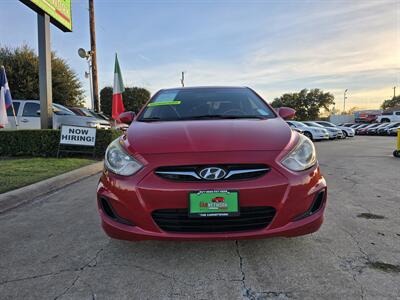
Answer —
(345, 135)
(396, 153)
(308, 134)
(385, 120)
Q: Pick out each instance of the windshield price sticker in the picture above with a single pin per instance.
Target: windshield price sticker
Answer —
(164, 103)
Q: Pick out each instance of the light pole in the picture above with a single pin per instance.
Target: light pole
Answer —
(183, 79)
(344, 100)
(88, 56)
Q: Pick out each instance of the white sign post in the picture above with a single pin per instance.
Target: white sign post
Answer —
(77, 136)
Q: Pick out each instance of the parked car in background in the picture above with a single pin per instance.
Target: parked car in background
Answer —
(347, 132)
(82, 111)
(297, 130)
(346, 124)
(366, 118)
(374, 130)
(384, 130)
(358, 125)
(100, 116)
(28, 116)
(333, 132)
(389, 116)
(85, 112)
(363, 130)
(313, 133)
(393, 131)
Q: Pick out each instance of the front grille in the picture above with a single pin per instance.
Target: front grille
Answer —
(177, 220)
(233, 172)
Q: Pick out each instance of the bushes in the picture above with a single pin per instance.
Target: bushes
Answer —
(45, 142)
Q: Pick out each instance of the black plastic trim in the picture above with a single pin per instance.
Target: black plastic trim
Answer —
(316, 205)
(110, 211)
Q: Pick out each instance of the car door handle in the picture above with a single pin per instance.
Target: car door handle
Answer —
(24, 120)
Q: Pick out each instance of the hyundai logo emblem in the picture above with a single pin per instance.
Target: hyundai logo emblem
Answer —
(212, 173)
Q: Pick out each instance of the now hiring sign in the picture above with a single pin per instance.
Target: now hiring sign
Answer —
(75, 135)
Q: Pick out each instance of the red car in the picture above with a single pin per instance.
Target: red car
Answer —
(189, 146)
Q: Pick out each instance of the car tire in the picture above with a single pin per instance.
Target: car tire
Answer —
(345, 135)
(396, 153)
(385, 120)
(309, 135)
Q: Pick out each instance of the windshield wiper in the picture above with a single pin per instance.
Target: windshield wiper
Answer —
(224, 117)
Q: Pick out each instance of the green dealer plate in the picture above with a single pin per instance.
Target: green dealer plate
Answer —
(213, 204)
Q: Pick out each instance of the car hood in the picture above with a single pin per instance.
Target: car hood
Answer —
(207, 135)
(317, 128)
(345, 128)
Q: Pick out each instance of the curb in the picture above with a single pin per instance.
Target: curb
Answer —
(28, 193)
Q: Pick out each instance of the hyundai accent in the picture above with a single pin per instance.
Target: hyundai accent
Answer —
(210, 163)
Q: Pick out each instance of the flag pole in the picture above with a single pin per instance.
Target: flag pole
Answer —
(15, 117)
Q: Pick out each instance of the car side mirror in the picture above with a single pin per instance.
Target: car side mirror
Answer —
(127, 117)
(286, 113)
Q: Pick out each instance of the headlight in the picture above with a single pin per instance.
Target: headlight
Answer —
(120, 162)
(92, 124)
(302, 157)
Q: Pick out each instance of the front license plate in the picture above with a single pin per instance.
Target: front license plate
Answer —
(213, 204)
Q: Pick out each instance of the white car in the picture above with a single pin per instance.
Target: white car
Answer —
(313, 133)
(389, 116)
(347, 131)
(28, 116)
(334, 133)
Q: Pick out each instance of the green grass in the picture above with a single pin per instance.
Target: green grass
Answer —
(16, 173)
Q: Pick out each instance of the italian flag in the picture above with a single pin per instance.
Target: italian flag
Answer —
(117, 104)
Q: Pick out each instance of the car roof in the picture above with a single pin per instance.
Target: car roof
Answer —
(204, 87)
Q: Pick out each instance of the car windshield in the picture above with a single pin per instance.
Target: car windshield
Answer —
(61, 110)
(205, 103)
(86, 112)
(298, 124)
(326, 124)
(313, 124)
(99, 115)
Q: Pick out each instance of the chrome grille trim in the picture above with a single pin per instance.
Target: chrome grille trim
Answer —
(193, 174)
(244, 171)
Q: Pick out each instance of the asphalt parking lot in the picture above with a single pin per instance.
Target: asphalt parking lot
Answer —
(54, 247)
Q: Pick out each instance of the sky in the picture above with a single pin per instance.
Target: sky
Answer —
(274, 47)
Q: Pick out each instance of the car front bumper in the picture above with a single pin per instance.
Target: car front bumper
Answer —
(321, 136)
(134, 199)
(333, 135)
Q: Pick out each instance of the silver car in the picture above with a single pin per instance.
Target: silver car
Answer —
(333, 132)
(28, 116)
(347, 132)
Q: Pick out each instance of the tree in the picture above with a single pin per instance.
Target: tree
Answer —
(390, 103)
(22, 67)
(134, 98)
(306, 103)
